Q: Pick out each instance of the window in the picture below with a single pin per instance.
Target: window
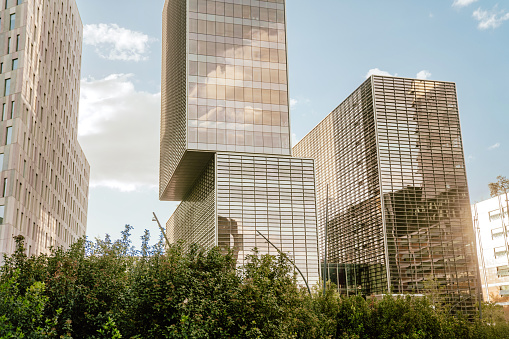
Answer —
(17, 42)
(14, 64)
(1, 161)
(13, 105)
(13, 21)
(503, 271)
(4, 112)
(504, 290)
(8, 135)
(7, 87)
(496, 215)
(1, 67)
(8, 45)
(500, 251)
(497, 233)
(19, 2)
(2, 214)
(4, 192)
(6, 3)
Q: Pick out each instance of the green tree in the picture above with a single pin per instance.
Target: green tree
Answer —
(499, 187)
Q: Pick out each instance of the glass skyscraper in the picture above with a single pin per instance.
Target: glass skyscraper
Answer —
(399, 217)
(225, 132)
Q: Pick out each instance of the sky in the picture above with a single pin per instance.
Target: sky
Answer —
(333, 45)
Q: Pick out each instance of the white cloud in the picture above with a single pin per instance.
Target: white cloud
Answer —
(119, 132)
(463, 3)
(376, 71)
(293, 102)
(423, 75)
(490, 19)
(116, 43)
(492, 147)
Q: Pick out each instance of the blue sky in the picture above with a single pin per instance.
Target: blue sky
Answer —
(332, 46)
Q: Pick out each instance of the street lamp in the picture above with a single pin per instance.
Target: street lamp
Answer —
(290, 260)
(161, 228)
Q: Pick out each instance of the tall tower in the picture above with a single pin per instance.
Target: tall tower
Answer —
(399, 215)
(225, 131)
(44, 173)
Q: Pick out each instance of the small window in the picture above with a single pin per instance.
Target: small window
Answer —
(17, 42)
(7, 87)
(504, 290)
(8, 135)
(1, 67)
(1, 161)
(4, 112)
(19, 2)
(13, 21)
(8, 45)
(2, 214)
(13, 105)
(4, 192)
(500, 251)
(497, 233)
(503, 271)
(14, 64)
(6, 3)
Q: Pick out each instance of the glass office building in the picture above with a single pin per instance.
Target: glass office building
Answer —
(398, 206)
(225, 131)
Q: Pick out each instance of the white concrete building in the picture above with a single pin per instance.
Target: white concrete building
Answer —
(491, 226)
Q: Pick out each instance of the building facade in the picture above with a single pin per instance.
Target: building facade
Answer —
(44, 173)
(225, 132)
(491, 225)
(399, 220)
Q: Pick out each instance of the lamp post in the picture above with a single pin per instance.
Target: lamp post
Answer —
(161, 228)
(290, 260)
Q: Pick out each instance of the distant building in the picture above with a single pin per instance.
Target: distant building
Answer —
(44, 173)
(391, 157)
(491, 225)
(225, 132)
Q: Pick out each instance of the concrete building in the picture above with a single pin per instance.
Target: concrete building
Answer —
(225, 132)
(391, 156)
(44, 173)
(491, 225)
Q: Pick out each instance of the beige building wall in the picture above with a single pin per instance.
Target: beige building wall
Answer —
(45, 175)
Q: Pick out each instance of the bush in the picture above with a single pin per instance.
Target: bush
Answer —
(107, 289)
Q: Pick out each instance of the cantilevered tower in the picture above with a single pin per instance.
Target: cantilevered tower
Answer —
(225, 131)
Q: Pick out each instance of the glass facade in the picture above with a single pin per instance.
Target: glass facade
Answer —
(225, 132)
(398, 204)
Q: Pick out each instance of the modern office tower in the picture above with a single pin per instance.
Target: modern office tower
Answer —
(44, 173)
(225, 132)
(491, 225)
(398, 208)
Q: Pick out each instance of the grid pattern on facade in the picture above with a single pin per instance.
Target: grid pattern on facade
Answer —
(44, 172)
(237, 78)
(343, 146)
(194, 219)
(396, 177)
(272, 195)
(424, 187)
(173, 91)
(491, 224)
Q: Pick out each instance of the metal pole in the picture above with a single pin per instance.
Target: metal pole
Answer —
(325, 269)
(161, 228)
(290, 260)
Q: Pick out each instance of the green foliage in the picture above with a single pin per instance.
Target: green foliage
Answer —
(499, 187)
(106, 289)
